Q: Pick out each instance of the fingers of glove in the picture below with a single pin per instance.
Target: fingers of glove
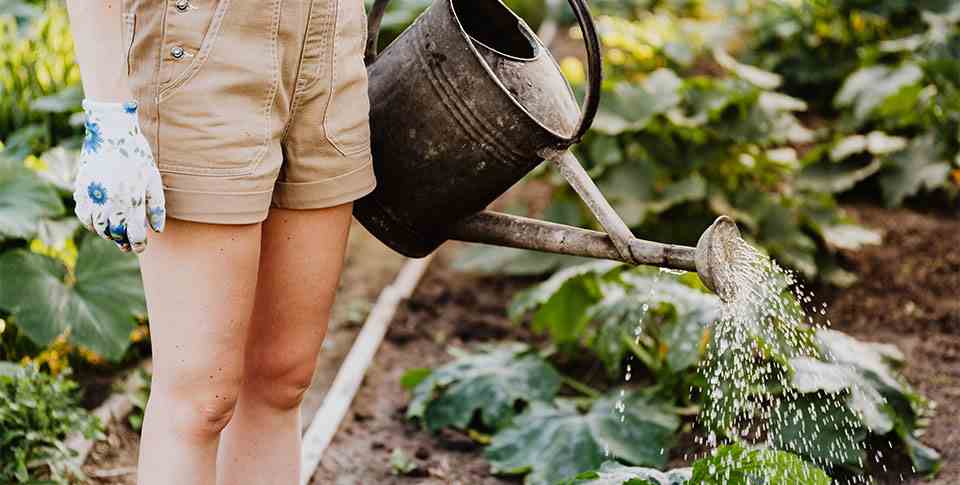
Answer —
(83, 214)
(101, 225)
(117, 228)
(156, 212)
(137, 229)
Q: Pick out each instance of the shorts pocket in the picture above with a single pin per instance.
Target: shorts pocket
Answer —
(190, 29)
(217, 121)
(347, 118)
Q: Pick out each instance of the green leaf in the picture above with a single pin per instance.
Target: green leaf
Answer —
(25, 199)
(550, 443)
(56, 232)
(912, 170)
(613, 473)
(630, 107)
(489, 383)
(850, 236)
(868, 88)
(821, 428)
(401, 463)
(756, 76)
(413, 377)
(97, 303)
(811, 375)
(65, 101)
(925, 459)
(736, 464)
(861, 377)
(835, 177)
(59, 168)
(681, 314)
(562, 301)
(8, 368)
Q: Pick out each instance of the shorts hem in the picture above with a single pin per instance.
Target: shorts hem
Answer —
(326, 193)
(217, 207)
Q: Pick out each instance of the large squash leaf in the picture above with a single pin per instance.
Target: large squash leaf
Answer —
(97, 302)
(917, 168)
(25, 199)
(550, 443)
(737, 464)
(489, 383)
(821, 428)
(613, 473)
(674, 313)
(855, 390)
(562, 301)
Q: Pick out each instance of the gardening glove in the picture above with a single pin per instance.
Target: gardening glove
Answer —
(118, 188)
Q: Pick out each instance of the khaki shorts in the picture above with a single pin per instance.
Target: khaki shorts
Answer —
(252, 103)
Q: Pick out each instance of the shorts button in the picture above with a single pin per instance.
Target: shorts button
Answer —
(176, 52)
(183, 5)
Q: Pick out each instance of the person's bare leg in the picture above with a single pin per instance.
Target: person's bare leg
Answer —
(300, 267)
(200, 281)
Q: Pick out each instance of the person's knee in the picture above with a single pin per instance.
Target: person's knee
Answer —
(197, 414)
(282, 381)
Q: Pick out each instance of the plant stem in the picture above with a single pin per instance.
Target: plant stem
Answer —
(580, 387)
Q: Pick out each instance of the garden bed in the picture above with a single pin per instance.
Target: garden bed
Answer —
(906, 296)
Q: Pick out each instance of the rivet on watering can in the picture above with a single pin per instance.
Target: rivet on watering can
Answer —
(177, 52)
(183, 5)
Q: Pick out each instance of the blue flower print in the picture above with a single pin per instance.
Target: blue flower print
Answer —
(118, 231)
(97, 193)
(93, 139)
(130, 106)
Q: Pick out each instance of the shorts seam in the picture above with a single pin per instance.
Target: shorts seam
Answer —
(333, 78)
(204, 192)
(203, 54)
(270, 99)
(297, 86)
(361, 168)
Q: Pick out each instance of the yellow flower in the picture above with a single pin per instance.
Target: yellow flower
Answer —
(616, 57)
(857, 22)
(573, 70)
(139, 334)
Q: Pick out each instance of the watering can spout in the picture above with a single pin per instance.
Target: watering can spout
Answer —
(708, 259)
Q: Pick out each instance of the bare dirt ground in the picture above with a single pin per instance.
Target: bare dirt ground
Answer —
(907, 295)
(369, 267)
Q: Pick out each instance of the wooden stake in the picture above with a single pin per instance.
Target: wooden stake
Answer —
(337, 401)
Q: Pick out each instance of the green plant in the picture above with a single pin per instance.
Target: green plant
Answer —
(39, 81)
(726, 465)
(37, 412)
(139, 398)
(738, 464)
(95, 302)
(657, 331)
(489, 384)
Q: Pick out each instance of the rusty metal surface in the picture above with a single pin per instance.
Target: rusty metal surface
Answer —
(449, 135)
(489, 227)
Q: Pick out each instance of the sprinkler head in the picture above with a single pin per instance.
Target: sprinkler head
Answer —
(715, 254)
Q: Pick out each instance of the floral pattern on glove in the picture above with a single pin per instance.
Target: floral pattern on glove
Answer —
(118, 190)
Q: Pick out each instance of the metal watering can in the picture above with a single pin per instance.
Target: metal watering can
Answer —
(466, 102)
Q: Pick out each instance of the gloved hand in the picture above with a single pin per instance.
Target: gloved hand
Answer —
(118, 188)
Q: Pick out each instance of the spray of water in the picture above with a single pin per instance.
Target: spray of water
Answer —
(762, 326)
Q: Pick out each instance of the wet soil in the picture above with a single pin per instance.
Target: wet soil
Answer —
(907, 295)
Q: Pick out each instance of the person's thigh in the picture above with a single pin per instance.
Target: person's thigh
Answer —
(200, 281)
(300, 266)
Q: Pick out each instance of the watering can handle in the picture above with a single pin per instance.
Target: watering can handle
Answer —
(581, 11)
